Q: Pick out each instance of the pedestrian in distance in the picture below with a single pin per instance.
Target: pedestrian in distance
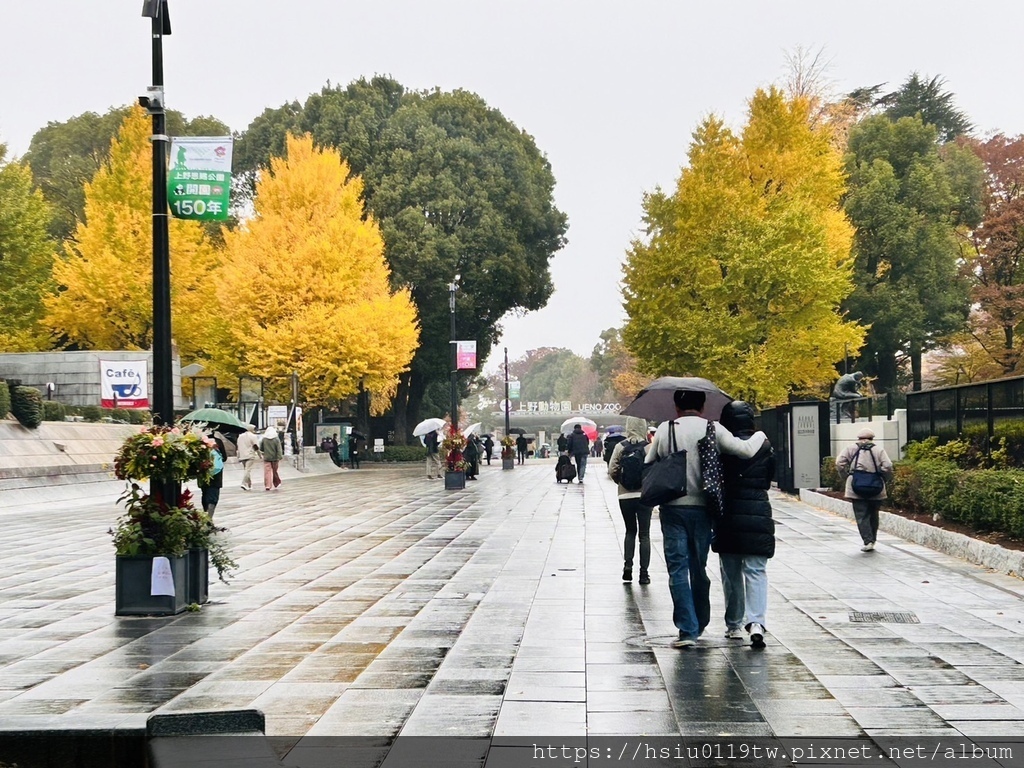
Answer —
(744, 535)
(471, 454)
(248, 449)
(522, 445)
(431, 440)
(579, 448)
(270, 447)
(353, 452)
(865, 467)
(210, 489)
(488, 448)
(597, 451)
(563, 444)
(685, 522)
(625, 467)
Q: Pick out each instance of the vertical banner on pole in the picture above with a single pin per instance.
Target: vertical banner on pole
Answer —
(124, 384)
(465, 355)
(199, 182)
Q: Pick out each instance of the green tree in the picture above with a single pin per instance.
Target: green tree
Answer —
(26, 258)
(457, 189)
(746, 263)
(906, 199)
(64, 156)
(919, 96)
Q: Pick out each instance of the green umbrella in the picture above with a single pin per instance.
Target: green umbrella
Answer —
(223, 420)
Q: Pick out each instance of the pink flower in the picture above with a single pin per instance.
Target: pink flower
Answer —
(175, 431)
(157, 442)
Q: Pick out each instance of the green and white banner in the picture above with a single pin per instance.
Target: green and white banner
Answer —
(199, 182)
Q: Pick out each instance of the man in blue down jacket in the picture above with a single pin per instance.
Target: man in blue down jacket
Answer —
(744, 535)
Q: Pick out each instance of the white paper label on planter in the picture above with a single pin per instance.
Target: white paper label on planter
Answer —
(161, 581)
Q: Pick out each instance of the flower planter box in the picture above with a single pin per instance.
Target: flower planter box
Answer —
(198, 576)
(454, 481)
(132, 578)
(508, 463)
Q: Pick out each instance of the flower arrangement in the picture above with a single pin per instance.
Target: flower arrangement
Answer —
(152, 523)
(168, 454)
(508, 445)
(452, 447)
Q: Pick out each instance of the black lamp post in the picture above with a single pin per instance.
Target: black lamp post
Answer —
(163, 393)
(508, 403)
(452, 286)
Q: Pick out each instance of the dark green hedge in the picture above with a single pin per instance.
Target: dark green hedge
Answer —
(5, 399)
(53, 411)
(399, 453)
(987, 499)
(27, 406)
(92, 412)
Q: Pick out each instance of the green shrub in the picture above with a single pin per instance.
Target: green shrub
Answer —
(27, 406)
(53, 411)
(120, 414)
(830, 475)
(5, 399)
(138, 417)
(925, 486)
(990, 500)
(92, 412)
(401, 453)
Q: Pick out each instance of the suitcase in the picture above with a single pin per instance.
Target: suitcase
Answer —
(564, 470)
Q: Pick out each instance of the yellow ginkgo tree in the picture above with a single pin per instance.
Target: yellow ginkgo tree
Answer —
(746, 263)
(304, 286)
(105, 275)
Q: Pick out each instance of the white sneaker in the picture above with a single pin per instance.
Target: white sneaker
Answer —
(869, 547)
(756, 636)
(684, 642)
(734, 633)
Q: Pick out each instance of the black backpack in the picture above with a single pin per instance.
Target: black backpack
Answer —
(631, 465)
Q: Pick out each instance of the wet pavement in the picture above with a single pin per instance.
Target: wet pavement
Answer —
(375, 603)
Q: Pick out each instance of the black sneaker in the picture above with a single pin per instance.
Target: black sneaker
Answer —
(644, 577)
(627, 574)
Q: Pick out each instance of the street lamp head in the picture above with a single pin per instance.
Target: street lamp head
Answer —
(157, 9)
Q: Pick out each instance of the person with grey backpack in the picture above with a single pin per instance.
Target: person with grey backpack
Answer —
(865, 467)
(625, 467)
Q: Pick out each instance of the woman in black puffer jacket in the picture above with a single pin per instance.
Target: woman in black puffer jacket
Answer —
(744, 536)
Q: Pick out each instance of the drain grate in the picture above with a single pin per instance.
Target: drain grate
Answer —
(884, 617)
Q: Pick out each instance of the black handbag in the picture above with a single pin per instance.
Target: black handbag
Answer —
(665, 479)
(711, 474)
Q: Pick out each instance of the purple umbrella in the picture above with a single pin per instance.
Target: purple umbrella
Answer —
(655, 401)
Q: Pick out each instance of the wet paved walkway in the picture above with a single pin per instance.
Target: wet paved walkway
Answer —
(375, 603)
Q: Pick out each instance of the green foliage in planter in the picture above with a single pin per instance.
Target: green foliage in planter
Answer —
(120, 414)
(150, 528)
(203, 534)
(27, 406)
(92, 413)
(53, 411)
(400, 453)
(5, 399)
(830, 475)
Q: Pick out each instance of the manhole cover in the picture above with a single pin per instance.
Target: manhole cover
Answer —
(884, 617)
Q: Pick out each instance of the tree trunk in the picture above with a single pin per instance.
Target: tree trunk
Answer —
(399, 408)
(915, 366)
(886, 370)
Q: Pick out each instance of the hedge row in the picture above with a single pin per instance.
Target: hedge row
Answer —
(400, 453)
(5, 399)
(987, 499)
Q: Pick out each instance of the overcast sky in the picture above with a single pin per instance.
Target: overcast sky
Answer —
(611, 91)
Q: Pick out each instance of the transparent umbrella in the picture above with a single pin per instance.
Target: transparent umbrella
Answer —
(427, 426)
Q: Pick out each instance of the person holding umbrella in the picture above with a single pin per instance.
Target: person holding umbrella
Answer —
(521, 447)
(685, 521)
(579, 447)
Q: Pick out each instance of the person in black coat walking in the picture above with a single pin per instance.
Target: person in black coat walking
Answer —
(744, 536)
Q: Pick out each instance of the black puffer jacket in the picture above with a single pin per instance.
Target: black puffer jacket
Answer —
(746, 526)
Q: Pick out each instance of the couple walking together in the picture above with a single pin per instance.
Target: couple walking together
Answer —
(744, 534)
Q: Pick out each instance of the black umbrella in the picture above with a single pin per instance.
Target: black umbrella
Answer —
(357, 435)
(517, 431)
(656, 404)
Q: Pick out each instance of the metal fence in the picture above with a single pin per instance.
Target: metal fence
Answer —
(988, 409)
(866, 407)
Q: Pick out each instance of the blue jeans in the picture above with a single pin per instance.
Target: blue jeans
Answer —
(581, 464)
(745, 583)
(687, 535)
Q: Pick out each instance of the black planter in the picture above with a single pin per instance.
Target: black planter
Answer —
(454, 481)
(508, 463)
(198, 576)
(132, 578)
